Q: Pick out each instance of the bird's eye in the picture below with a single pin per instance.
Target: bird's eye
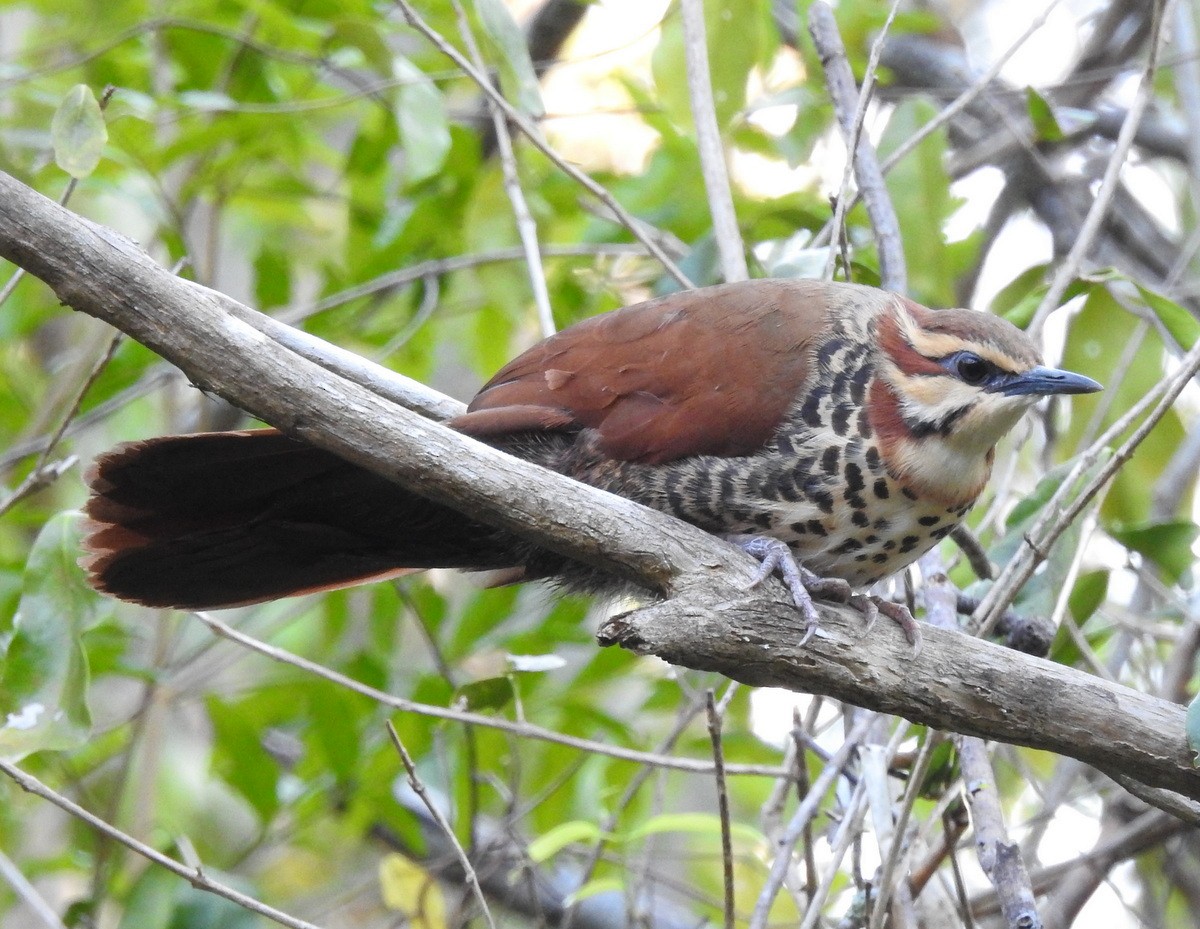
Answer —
(971, 369)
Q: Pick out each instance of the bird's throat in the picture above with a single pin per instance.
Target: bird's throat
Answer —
(929, 463)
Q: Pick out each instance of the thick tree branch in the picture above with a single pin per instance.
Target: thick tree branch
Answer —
(712, 622)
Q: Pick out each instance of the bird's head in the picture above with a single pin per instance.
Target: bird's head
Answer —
(950, 384)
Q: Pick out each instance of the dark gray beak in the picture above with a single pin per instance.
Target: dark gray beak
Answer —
(1043, 382)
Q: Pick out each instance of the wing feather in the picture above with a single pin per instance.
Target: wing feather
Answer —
(702, 372)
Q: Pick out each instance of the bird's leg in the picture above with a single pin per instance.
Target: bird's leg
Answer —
(776, 557)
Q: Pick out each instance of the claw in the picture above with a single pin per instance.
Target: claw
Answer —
(899, 614)
(775, 557)
(866, 605)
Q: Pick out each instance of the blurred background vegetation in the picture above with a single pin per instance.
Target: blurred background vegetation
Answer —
(321, 161)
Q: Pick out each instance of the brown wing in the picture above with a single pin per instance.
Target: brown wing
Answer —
(710, 371)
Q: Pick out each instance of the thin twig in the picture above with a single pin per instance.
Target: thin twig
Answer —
(850, 106)
(28, 894)
(708, 142)
(1000, 860)
(803, 815)
(516, 118)
(526, 226)
(525, 730)
(607, 826)
(1068, 268)
(193, 875)
(977, 558)
(916, 782)
(438, 817)
(960, 103)
(715, 718)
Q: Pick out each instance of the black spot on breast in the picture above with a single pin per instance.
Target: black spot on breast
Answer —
(822, 498)
(881, 488)
(929, 520)
(798, 528)
(859, 518)
(787, 487)
(784, 444)
(850, 545)
(811, 411)
(908, 543)
(883, 524)
(762, 520)
(854, 478)
(881, 558)
(942, 532)
(816, 527)
(908, 493)
(829, 460)
(874, 462)
(841, 418)
(889, 545)
(863, 557)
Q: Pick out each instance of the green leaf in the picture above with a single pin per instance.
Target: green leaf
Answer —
(1168, 545)
(729, 62)
(1018, 300)
(695, 824)
(45, 676)
(272, 277)
(1087, 595)
(245, 764)
(421, 118)
(505, 38)
(78, 133)
(1181, 324)
(550, 843)
(152, 901)
(1041, 114)
(1099, 340)
(920, 190)
(493, 693)
(594, 887)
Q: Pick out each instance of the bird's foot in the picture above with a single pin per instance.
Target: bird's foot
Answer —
(871, 606)
(775, 557)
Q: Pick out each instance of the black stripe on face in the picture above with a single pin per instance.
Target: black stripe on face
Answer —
(921, 428)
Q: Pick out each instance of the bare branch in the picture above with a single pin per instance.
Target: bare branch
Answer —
(708, 142)
(851, 107)
(193, 875)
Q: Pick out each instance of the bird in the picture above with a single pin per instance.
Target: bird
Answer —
(835, 431)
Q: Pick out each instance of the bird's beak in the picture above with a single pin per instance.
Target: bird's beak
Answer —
(1042, 381)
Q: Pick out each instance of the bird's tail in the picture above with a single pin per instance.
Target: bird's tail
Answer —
(227, 519)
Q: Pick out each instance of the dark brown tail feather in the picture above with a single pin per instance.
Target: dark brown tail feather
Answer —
(228, 519)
